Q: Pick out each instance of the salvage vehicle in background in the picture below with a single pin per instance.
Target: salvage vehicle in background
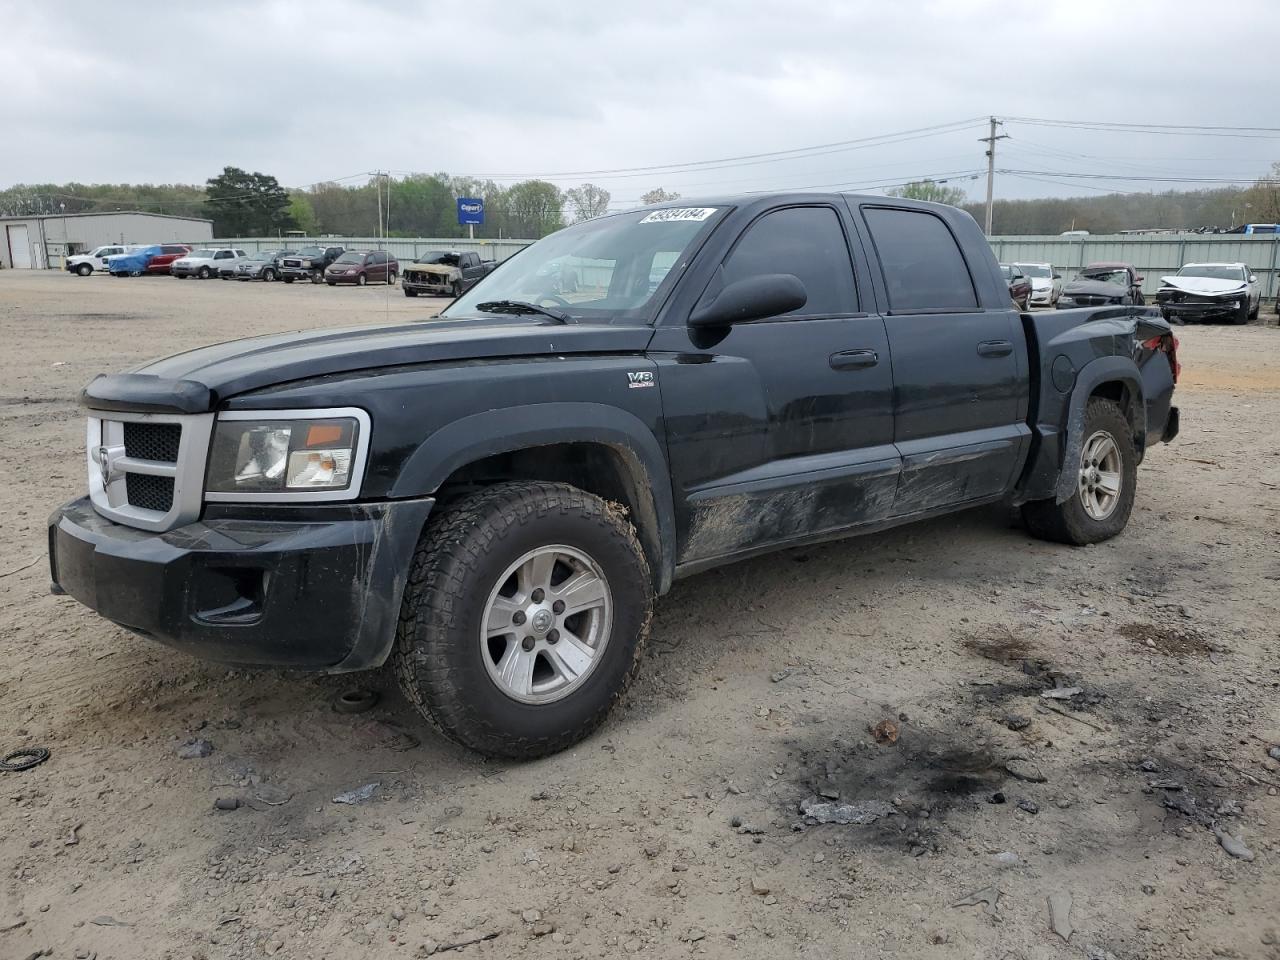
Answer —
(361, 267)
(83, 264)
(1019, 285)
(262, 265)
(445, 273)
(1210, 291)
(205, 263)
(1046, 283)
(169, 252)
(490, 500)
(309, 263)
(1102, 285)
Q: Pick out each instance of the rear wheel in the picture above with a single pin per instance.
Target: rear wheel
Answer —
(84, 269)
(410, 293)
(1106, 474)
(317, 277)
(525, 610)
(391, 278)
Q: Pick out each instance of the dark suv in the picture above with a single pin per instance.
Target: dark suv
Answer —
(361, 267)
(308, 263)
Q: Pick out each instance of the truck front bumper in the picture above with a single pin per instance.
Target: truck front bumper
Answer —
(319, 592)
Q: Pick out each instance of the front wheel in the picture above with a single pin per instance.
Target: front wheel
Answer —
(1241, 315)
(317, 277)
(456, 289)
(1105, 478)
(287, 279)
(268, 274)
(84, 269)
(410, 293)
(362, 280)
(203, 273)
(525, 610)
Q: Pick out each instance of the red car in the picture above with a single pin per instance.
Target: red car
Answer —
(169, 252)
(1019, 285)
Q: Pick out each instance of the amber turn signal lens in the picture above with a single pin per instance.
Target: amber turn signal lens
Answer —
(323, 434)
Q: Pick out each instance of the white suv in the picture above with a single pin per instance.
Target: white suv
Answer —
(1046, 283)
(205, 263)
(84, 264)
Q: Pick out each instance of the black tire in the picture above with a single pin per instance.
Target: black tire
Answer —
(1069, 522)
(317, 276)
(410, 293)
(332, 283)
(362, 279)
(287, 279)
(1241, 316)
(391, 279)
(456, 289)
(1253, 314)
(203, 273)
(84, 269)
(460, 558)
(268, 274)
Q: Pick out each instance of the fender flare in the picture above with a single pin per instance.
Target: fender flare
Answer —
(509, 429)
(1093, 375)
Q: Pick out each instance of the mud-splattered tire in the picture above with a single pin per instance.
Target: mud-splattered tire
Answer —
(1080, 520)
(446, 630)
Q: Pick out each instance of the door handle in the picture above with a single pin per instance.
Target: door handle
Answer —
(854, 359)
(995, 348)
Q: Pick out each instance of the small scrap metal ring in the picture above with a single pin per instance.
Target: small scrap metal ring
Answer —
(24, 759)
(356, 701)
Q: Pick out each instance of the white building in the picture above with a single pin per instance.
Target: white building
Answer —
(38, 242)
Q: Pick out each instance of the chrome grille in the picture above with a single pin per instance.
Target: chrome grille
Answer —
(146, 470)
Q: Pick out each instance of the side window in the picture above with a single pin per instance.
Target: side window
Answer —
(807, 242)
(471, 260)
(222, 255)
(922, 264)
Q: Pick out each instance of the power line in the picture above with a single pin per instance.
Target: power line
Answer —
(1146, 179)
(692, 166)
(1155, 129)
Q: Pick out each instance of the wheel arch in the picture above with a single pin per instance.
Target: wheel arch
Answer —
(600, 449)
(1111, 378)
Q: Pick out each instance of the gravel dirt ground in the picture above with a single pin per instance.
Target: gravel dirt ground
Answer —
(902, 674)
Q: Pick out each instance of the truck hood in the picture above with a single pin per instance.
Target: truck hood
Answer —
(1095, 288)
(1204, 286)
(201, 379)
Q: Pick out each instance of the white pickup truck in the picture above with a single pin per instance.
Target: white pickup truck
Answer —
(83, 264)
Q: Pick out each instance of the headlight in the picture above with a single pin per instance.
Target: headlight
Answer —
(288, 455)
(306, 263)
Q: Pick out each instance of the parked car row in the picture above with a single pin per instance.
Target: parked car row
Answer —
(439, 272)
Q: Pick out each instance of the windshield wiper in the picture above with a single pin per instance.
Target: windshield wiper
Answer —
(521, 306)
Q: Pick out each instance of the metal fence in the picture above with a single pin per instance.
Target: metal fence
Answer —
(1154, 256)
(403, 248)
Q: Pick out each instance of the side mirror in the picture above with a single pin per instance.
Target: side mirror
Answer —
(1252, 278)
(1057, 276)
(1139, 278)
(752, 298)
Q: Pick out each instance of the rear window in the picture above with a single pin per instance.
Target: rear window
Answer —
(922, 264)
(173, 250)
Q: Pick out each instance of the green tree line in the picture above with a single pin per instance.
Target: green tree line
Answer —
(243, 203)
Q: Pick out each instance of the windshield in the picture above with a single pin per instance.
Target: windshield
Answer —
(439, 256)
(1106, 276)
(311, 252)
(1212, 271)
(605, 269)
(350, 256)
(1036, 270)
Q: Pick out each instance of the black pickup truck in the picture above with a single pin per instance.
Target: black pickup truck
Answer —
(309, 263)
(493, 498)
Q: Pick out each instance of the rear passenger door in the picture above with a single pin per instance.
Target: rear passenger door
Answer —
(958, 376)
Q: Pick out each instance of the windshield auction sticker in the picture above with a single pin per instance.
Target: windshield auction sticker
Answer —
(676, 214)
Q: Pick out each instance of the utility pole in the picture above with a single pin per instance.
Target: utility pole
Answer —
(990, 141)
(377, 183)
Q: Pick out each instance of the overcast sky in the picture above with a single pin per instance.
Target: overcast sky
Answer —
(315, 91)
